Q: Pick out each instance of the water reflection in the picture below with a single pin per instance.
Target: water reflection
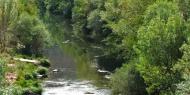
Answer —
(75, 74)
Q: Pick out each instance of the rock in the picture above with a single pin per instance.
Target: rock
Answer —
(53, 84)
(88, 93)
(55, 70)
(27, 60)
(39, 76)
(107, 77)
(66, 42)
(103, 71)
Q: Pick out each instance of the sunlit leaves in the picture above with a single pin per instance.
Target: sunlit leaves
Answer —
(31, 33)
(158, 43)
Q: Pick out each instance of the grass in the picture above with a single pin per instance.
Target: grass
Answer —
(26, 82)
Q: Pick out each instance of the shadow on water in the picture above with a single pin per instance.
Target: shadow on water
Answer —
(75, 75)
(72, 70)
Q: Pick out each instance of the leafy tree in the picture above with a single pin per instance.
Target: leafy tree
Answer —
(79, 17)
(127, 81)
(184, 67)
(31, 33)
(42, 7)
(122, 17)
(59, 7)
(28, 6)
(8, 15)
(159, 40)
(88, 24)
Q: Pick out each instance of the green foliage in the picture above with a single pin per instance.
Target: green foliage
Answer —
(127, 81)
(122, 18)
(59, 7)
(32, 90)
(42, 71)
(150, 31)
(158, 46)
(27, 81)
(42, 7)
(129, 11)
(28, 76)
(183, 66)
(8, 15)
(88, 25)
(45, 62)
(183, 87)
(1, 72)
(185, 8)
(17, 90)
(11, 90)
(31, 34)
(28, 6)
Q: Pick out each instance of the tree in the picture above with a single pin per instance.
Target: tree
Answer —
(159, 40)
(127, 81)
(31, 33)
(88, 24)
(122, 18)
(59, 7)
(8, 15)
(184, 67)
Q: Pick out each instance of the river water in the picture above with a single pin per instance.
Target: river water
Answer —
(73, 73)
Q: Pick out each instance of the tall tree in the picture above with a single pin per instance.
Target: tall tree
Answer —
(159, 40)
(8, 14)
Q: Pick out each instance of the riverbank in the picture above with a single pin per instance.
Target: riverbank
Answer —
(23, 77)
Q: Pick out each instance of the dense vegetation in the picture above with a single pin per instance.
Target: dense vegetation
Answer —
(145, 43)
(146, 39)
(22, 35)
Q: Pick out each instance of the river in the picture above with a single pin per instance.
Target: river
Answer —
(73, 72)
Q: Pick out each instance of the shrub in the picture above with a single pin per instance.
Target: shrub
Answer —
(42, 71)
(1, 71)
(45, 63)
(28, 76)
(32, 91)
(127, 81)
(31, 34)
(183, 88)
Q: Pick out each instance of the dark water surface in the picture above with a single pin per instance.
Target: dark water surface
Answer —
(76, 73)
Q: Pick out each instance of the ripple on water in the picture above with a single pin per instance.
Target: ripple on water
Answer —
(72, 88)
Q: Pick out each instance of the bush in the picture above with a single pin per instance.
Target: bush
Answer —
(45, 63)
(183, 88)
(1, 71)
(127, 81)
(32, 91)
(28, 76)
(34, 75)
(42, 71)
(31, 34)
(11, 90)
